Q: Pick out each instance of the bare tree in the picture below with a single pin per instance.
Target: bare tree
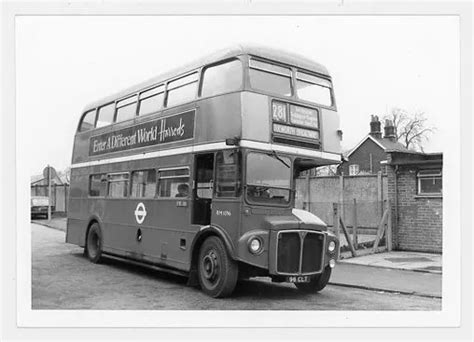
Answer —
(412, 129)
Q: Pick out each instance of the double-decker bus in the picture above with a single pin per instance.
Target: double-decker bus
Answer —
(194, 171)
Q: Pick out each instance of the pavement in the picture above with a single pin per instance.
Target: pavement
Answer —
(412, 273)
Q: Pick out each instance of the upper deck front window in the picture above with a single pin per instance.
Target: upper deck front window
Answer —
(313, 89)
(222, 78)
(88, 121)
(270, 77)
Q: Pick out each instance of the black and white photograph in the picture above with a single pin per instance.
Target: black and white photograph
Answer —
(241, 167)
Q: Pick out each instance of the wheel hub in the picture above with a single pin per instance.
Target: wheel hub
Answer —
(210, 265)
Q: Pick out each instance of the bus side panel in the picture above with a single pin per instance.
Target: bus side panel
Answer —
(329, 126)
(226, 214)
(169, 239)
(255, 117)
(218, 118)
(77, 214)
(157, 239)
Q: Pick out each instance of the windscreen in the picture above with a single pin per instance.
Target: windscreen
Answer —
(268, 178)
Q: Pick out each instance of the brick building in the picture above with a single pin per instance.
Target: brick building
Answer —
(415, 193)
(367, 155)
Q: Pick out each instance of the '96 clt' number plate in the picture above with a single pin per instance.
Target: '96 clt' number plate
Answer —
(298, 279)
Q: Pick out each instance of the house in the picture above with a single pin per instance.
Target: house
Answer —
(366, 156)
(59, 189)
(415, 192)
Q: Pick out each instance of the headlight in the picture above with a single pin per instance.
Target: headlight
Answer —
(331, 246)
(255, 245)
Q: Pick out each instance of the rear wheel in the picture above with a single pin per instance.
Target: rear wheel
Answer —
(218, 273)
(317, 283)
(94, 243)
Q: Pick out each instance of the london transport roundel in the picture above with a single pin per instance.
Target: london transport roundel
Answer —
(140, 213)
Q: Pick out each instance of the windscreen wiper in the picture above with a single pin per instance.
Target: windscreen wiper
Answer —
(274, 154)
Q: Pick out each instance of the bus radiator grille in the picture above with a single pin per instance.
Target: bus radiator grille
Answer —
(313, 245)
(289, 252)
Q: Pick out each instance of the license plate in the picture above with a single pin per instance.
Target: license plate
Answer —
(298, 279)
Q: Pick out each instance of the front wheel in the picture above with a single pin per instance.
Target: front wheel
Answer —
(317, 283)
(94, 244)
(218, 273)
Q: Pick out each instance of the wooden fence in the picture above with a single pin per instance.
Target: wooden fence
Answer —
(384, 228)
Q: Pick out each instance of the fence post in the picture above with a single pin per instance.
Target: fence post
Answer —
(380, 230)
(335, 223)
(66, 197)
(389, 227)
(348, 237)
(355, 239)
(341, 195)
(379, 192)
(49, 193)
(308, 193)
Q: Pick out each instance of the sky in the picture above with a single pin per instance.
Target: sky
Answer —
(377, 63)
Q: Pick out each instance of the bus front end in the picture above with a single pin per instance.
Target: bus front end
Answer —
(289, 124)
(278, 240)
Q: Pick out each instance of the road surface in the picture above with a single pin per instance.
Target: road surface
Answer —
(62, 278)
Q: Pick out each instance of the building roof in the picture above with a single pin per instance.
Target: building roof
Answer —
(390, 145)
(284, 57)
(384, 143)
(414, 158)
(39, 180)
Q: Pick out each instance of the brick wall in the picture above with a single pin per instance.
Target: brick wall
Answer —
(419, 226)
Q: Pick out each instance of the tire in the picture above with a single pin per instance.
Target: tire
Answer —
(317, 283)
(93, 248)
(217, 272)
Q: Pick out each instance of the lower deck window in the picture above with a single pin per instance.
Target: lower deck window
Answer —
(430, 182)
(173, 183)
(144, 183)
(98, 185)
(118, 185)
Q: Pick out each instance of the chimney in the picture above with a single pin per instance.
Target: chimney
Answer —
(390, 131)
(375, 127)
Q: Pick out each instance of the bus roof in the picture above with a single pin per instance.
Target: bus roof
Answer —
(284, 57)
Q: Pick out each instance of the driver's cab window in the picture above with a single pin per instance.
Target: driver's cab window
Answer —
(228, 173)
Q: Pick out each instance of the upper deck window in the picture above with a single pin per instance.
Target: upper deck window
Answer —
(126, 109)
(151, 100)
(88, 121)
(182, 90)
(313, 89)
(106, 115)
(222, 78)
(270, 77)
